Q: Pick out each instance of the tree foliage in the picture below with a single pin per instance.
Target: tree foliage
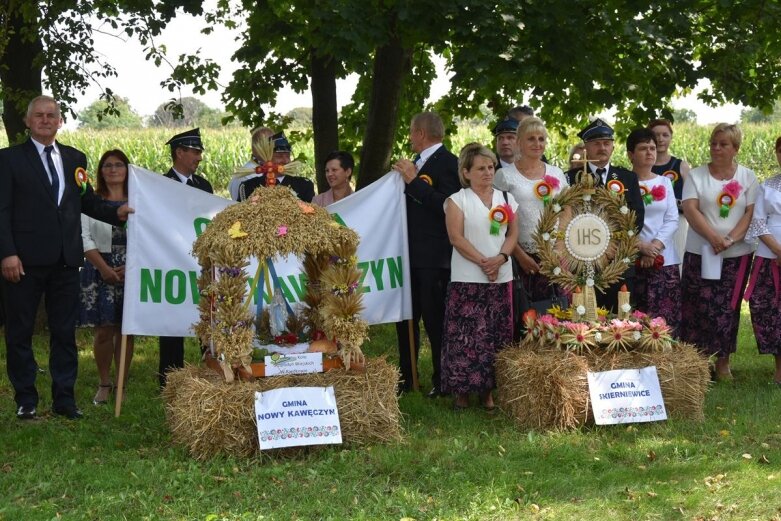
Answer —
(50, 45)
(755, 115)
(569, 58)
(100, 115)
(186, 112)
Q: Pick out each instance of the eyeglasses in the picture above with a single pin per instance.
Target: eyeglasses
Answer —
(113, 165)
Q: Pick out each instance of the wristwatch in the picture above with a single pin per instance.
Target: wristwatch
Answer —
(506, 257)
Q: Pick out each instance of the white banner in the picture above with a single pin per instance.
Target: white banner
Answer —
(295, 416)
(626, 396)
(161, 292)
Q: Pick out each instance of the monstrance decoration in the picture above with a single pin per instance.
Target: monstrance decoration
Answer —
(586, 239)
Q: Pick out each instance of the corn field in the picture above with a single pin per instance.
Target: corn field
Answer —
(229, 148)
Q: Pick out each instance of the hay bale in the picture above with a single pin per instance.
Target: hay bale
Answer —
(548, 389)
(210, 416)
(542, 389)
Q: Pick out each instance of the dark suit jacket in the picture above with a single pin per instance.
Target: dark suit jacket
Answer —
(304, 188)
(632, 189)
(32, 225)
(200, 182)
(429, 246)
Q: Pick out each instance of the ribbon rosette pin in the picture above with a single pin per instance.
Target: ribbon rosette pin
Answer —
(544, 189)
(615, 186)
(500, 215)
(672, 175)
(82, 179)
(646, 195)
(727, 197)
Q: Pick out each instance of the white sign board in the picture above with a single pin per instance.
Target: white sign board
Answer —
(626, 396)
(301, 363)
(296, 416)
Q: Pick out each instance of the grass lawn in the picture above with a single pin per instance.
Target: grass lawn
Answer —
(450, 466)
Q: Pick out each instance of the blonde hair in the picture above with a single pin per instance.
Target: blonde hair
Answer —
(531, 125)
(731, 130)
(466, 159)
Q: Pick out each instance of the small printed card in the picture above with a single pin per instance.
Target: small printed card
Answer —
(626, 396)
(296, 416)
(301, 363)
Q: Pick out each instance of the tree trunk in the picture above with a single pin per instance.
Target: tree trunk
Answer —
(325, 117)
(391, 66)
(20, 71)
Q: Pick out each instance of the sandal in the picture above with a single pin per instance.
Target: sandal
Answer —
(101, 396)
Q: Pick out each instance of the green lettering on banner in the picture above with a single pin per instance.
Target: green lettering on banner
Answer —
(376, 268)
(396, 274)
(338, 218)
(194, 287)
(299, 286)
(285, 290)
(364, 267)
(200, 224)
(151, 285)
(180, 284)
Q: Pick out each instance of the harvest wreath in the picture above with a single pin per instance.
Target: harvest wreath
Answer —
(271, 222)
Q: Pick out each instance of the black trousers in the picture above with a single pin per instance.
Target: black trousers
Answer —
(429, 291)
(59, 284)
(171, 356)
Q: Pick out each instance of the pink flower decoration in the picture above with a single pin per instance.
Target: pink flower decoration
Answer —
(658, 192)
(552, 181)
(282, 230)
(508, 211)
(733, 188)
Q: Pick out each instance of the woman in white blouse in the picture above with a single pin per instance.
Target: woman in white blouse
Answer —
(482, 228)
(532, 183)
(718, 202)
(657, 279)
(764, 287)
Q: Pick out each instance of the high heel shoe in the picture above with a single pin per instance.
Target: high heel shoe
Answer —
(101, 396)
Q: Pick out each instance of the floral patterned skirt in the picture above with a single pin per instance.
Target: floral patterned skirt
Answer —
(764, 304)
(478, 322)
(708, 318)
(100, 303)
(658, 293)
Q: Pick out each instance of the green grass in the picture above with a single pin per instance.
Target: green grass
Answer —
(449, 466)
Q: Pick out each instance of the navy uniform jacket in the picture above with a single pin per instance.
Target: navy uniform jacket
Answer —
(198, 182)
(32, 225)
(304, 188)
(429, 245)
(631, 186)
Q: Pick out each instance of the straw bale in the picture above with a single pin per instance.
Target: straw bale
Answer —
(212, 417)
(542, 389)
(548, 388)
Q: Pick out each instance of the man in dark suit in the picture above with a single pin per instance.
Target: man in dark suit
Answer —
(598, 139)
(186, 154)
(41, 203)
(304, 188)
(506, 147)
(430, 179)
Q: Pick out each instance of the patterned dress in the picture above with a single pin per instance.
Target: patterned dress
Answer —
(658, 290)
(764, 288)
(101, 303)
(710, 311)
(478, 313)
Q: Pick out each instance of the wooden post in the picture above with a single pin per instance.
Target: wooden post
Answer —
(120, 377)
(412, 356)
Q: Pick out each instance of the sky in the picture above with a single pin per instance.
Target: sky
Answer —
(139, 80)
